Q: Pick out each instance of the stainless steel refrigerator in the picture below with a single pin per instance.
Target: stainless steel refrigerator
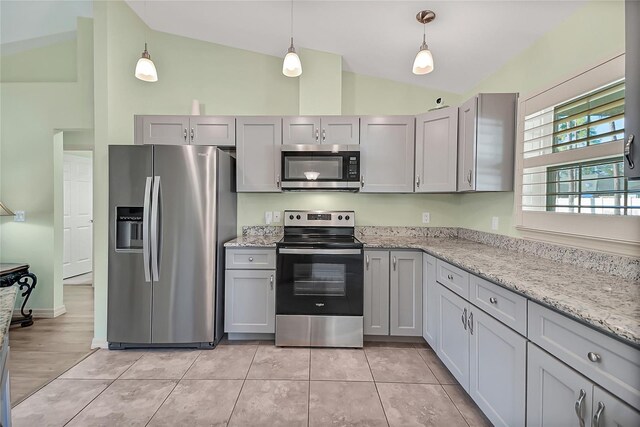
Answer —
(171, 208)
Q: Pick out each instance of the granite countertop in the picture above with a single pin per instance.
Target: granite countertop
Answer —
(607, 302)
(7, 302)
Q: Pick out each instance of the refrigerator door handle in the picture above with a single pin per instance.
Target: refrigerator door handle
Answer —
(145, 229)
(155, 220)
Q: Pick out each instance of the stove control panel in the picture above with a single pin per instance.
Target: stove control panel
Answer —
(319, 219)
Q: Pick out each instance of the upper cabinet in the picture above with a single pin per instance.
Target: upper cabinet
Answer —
(436, 151)
(180, 130)
(486, 141)
(632, 91)
(258, 154)
(387, 154)
(343, 130)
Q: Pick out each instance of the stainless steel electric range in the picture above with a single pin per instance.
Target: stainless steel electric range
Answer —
(319, 281)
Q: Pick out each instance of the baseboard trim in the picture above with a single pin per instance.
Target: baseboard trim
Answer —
(99, 343)
(43, 313)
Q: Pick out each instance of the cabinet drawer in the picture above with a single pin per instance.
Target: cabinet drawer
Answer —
(251, 259)
(506, 306)
(453, 278)
(616, 366)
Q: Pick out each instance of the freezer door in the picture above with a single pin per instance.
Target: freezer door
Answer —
(183, 250)
(129, 288)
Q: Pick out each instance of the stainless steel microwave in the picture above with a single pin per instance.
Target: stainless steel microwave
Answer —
(320, 167)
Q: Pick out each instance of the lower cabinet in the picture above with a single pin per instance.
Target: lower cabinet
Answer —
(487, 358)
(249, 302)
(558, 395)
(393, 293)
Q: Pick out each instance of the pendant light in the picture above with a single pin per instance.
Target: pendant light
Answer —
(145, 68)
(423, 64)
(291, 66)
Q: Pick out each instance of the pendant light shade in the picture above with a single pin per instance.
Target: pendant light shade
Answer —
(291, 66)
(423, 64)
(145, 68)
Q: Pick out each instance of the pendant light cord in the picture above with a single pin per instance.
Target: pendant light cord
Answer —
(291, 23)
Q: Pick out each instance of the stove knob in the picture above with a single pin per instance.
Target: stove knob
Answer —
(340, 217)
(297, 216)
(347, 217)
(290, 216)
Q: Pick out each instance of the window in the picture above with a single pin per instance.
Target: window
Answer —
(570, 173)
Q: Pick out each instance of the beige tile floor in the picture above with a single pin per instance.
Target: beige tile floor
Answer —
(254, 384)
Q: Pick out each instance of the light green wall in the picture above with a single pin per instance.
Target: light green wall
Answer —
(320, 85)
(54, 63)
(561, 53)
(31, 162)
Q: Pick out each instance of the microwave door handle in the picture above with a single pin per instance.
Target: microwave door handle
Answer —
(155, 224)
(146, 214)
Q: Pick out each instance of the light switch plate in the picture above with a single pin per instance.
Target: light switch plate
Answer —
(21, 216)
(426, 217)
(494, 223)
(268, 217)
(277, 216)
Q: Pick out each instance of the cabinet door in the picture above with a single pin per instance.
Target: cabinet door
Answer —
(300, 130)
(405, 293)
(609, 411)
(453, 339)
(258, 154)
(386, 154)
(436, 151)
(212, 130)
(162, 130)
(467, 123)
(556, 394)
(498, 370)
(376, 293)
(342, 130)
(632, 92)
(430, 313)
(249, 301)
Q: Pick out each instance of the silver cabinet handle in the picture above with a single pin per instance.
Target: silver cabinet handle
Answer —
(271, 281)
(324, 135)
(366, 259)
(469, 177)
(250, 259)
(317, 134)
(464, 319)
(146, 250)
(185, 134)
(450, 276)
(470, 322)
(395, 261)
(580, 406)
(278, 180)
(594, 357)
(493, 300)
(628, 151)
(192, 134)
(362, 181)
(598, 414)
(418, 181)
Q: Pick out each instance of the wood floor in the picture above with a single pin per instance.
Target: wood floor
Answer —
(49, 347)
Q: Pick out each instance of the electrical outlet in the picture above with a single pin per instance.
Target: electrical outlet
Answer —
(268, 217)
(494, 223)
(426, 217)
(21, 216)
(277, 216)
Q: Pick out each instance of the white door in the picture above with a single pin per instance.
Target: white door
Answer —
(78, 214)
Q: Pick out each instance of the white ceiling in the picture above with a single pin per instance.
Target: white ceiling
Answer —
(469, 39)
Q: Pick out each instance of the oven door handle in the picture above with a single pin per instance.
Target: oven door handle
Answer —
(299, 251)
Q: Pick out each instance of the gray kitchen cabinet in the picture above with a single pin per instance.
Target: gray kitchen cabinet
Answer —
(498, 368)
(405, 292)
(376, 293)
(436, 151)
(453, 339)
(250, 301)
(632, 90)
(342, 130)
(486, 141)
(430, 314)
(556, 394)
(387, 154)
(258, 154)
(181, 130)
(609, 411)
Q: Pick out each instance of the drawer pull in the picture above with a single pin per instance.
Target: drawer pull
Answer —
(579, 407)
(598, 414)
(250, 259)
(594, 357)
(493, 300)
(450, 276)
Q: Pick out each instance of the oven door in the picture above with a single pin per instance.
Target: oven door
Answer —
(320, 281)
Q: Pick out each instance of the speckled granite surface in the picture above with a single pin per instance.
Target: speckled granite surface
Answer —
(268, 241)
(7, 302)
